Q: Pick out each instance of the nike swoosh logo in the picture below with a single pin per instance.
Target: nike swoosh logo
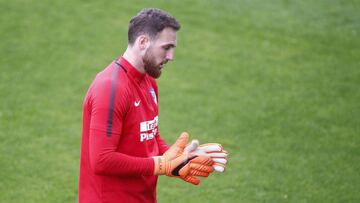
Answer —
(137, 103)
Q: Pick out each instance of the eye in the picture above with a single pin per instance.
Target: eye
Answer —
(167, 48)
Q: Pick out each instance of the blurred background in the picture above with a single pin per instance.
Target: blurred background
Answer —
(277, 83)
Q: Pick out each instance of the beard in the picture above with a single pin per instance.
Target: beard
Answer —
(150, 65)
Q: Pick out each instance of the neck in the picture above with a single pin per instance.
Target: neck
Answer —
(134, 59)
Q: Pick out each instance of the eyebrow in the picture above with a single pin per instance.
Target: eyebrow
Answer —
(171, 45)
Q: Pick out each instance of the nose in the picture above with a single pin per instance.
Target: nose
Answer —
(170, 55)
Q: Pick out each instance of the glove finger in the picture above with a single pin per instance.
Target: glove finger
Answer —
(211, 147)
(219, 168)
(182, 141)
(201, 167)
(191, 147)
(195, 172)
(202, 160)
(199, 152)
(217, 155)
(191, 179)
(220, 160)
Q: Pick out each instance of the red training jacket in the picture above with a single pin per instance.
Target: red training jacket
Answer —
(119, 137)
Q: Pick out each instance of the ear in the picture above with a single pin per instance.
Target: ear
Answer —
(143, 42)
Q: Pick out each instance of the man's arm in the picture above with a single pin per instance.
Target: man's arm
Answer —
(108, 105)
(106, 161)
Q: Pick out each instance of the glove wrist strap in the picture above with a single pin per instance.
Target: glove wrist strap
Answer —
(159, 165)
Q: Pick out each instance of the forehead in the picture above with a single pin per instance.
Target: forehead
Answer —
(166, 36)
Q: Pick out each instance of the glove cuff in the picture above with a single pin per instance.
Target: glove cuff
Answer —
(159, 165)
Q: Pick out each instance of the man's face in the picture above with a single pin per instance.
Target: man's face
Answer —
(160, 51)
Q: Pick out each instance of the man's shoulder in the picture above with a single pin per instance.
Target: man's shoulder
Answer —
(112, 73)
(111, 78)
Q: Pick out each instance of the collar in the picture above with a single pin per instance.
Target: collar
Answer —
(131, 70)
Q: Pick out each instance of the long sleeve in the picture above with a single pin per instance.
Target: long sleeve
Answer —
(108, 106)
(106, 161)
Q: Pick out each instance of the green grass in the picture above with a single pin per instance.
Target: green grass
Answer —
(276, 82)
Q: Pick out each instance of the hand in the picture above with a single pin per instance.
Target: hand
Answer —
(186, 166)
(213, 150)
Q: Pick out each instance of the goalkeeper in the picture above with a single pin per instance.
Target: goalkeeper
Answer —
(122, 152)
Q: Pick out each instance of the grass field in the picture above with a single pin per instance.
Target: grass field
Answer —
(276, 82)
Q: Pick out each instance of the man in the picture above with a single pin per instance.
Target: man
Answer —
(122, 152)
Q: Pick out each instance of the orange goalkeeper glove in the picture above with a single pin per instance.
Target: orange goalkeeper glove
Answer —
(174, 163)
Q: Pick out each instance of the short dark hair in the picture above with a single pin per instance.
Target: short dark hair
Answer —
(150, 21)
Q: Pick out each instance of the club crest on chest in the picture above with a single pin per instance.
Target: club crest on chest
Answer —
(153, 95)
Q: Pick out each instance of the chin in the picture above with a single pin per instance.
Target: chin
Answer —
(153, 71)
(155, 75)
